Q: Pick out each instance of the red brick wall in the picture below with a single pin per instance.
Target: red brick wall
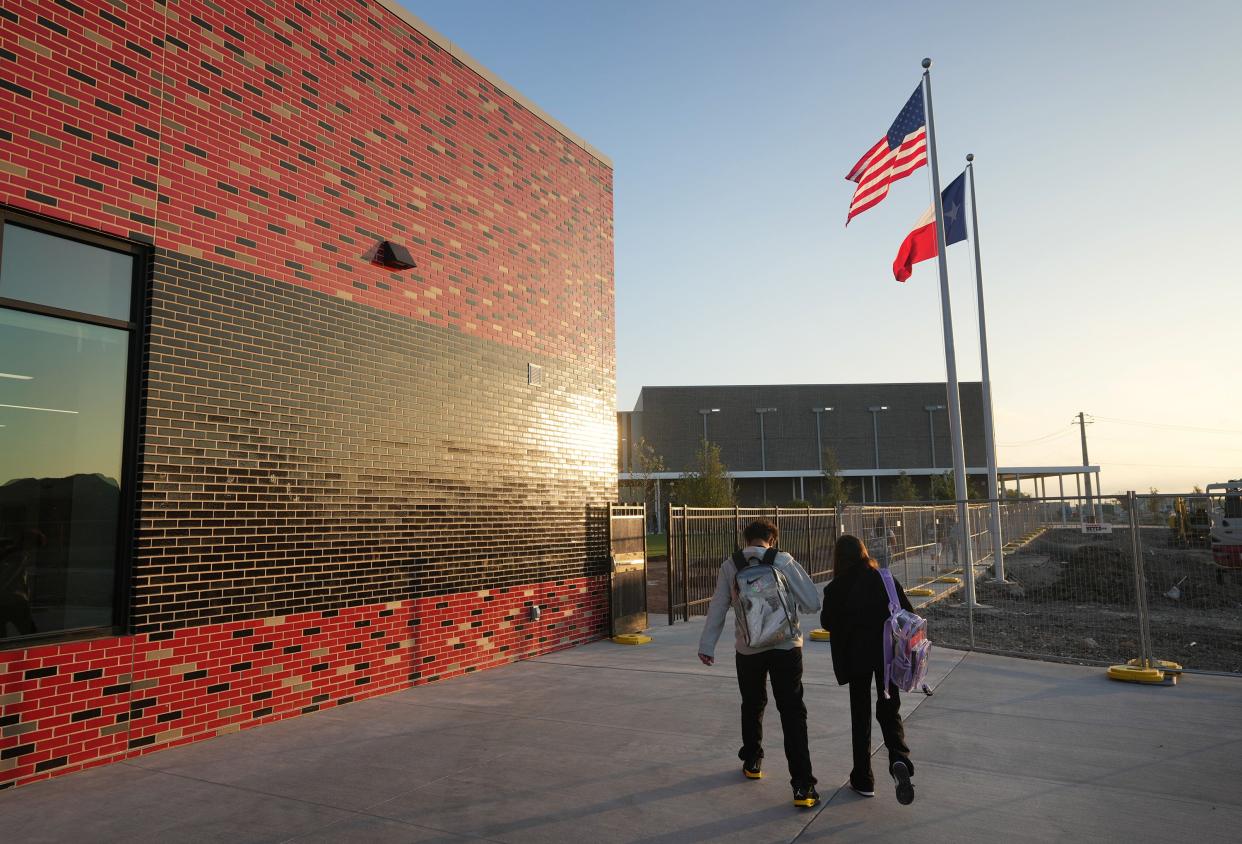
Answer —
(73, 706)
(281, 141)
(315, 129)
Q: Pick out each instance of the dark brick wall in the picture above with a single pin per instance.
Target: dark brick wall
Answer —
(303, 452)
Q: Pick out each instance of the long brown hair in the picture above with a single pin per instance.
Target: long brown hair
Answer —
(848, 554)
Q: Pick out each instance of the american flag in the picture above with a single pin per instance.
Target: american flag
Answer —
(895, 156)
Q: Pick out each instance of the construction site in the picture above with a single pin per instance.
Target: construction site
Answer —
(1108, 581)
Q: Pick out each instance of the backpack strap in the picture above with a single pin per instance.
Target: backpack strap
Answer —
(893, 604)
(893, 607)
(740, 561)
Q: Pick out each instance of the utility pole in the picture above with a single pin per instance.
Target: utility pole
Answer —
(1082, 424)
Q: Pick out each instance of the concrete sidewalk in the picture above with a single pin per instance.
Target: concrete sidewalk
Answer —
(613, 743)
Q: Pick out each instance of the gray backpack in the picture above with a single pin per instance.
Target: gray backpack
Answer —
(762, 605)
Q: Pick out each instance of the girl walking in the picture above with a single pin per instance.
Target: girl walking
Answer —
(854, 612)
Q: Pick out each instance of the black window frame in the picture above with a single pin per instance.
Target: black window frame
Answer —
(136, 325)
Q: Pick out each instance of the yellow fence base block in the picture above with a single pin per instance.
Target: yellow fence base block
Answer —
(1136, 674)
(1164, 665)
(948, 579)
(632, 639)
(819, 634)
(921, 592)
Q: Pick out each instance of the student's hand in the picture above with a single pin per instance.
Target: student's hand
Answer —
(707, 660)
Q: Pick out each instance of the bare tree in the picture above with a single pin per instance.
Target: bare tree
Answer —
(650, 463)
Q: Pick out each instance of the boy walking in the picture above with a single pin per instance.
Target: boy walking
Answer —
(780, 659)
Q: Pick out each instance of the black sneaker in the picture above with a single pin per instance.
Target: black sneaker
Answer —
(805, 796)
(905, 788)
(863, 792)
(753, 768)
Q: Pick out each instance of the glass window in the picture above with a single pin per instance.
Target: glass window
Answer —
(50, 270)
(63, 387)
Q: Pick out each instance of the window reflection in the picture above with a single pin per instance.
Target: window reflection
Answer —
(49, 270)
(62, 421)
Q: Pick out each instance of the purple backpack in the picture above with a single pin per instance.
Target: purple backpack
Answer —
(906, 646)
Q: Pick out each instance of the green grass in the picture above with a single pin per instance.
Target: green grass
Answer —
(657, 545)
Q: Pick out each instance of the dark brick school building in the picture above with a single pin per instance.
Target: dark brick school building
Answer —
(250, 465)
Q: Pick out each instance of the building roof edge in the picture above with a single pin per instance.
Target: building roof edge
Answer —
(469, 61)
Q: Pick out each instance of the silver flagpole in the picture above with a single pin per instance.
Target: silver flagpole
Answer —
(950, 358)
(989, 432)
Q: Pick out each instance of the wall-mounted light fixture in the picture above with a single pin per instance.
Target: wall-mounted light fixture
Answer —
(389, 255)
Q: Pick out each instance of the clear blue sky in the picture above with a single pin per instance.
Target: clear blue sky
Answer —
(1105, 135)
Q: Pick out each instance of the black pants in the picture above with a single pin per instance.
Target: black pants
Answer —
(886, 712)
(785, 669)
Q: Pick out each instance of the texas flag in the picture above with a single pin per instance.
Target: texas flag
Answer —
(920, 244)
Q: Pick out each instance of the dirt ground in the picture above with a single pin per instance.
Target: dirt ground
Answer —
(1073, 597)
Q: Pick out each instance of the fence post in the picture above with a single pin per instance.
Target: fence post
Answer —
(905, 544)
(685, 563)
(668, 560)
(998, 539)
(1140, 583)
(808, 536)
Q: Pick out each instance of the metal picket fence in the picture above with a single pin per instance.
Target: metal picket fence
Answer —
(700, 538)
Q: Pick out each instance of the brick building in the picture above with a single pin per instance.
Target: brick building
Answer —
(774, 456)
(247, 472)
(772, 436)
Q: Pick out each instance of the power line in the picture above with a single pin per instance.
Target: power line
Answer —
(1059, 433)
(1219, 466)
(1156, 425)
(1167, 426)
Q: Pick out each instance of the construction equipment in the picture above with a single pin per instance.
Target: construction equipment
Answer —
(1190, 523)
(1226, 527)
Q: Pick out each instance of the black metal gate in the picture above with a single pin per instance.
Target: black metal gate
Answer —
(700, 538)
(627, 551)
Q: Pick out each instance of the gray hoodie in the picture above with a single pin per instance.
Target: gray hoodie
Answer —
(801, 588)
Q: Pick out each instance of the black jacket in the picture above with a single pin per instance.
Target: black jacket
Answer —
(855, 609)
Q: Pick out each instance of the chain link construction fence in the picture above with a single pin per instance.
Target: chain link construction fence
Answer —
(1100, 580)
(1105, 581)
(919, 541)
